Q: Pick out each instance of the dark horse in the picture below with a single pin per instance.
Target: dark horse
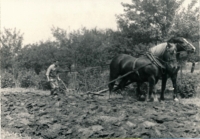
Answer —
(152, 71)
(149, 68)
(182, 45)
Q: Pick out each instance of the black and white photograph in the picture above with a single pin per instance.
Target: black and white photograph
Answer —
(100, 69)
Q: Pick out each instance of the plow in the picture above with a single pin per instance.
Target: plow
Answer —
(100, 92)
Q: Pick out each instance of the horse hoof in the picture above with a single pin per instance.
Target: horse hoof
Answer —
(176, 99)
(162, 99)
(156, 100)
(141, 98)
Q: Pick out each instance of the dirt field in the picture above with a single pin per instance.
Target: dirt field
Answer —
(38, 115)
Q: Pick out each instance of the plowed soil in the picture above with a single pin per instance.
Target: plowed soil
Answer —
(82, 116)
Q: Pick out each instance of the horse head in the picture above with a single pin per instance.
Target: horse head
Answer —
(182, 44)
(169, 57)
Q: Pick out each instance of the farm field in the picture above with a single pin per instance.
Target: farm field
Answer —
(35, 114)
(88, 46)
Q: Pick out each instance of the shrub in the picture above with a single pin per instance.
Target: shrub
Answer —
(42, 82)
(28, 79)
(187, 86)
(7, 80)
(92, 79)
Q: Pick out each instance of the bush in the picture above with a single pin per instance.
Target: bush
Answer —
(42, 82)
(28, 79)
(91, 79)
(187, 86)
(7, 80)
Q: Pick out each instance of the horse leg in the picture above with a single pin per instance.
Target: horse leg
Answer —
(174, 78)
(111, 85)
(122, 84)
(151, 88)
(155, 90)
(164, 81)
(138, 93)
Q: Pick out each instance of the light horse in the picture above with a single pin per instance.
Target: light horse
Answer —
(123, 64)
(148, 68)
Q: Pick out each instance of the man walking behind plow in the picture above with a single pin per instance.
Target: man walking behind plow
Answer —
(53, 77)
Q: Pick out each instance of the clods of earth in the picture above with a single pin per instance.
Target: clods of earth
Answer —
(82, 116)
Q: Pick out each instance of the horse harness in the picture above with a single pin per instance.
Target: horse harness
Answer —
(153, 60)
(134, 68)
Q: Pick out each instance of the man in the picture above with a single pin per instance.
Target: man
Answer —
(53, 76)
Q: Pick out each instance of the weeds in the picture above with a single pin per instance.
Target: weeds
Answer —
(187, 86)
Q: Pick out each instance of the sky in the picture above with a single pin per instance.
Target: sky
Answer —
(35, 18)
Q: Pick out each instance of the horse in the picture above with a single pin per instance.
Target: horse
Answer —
(182, 45)
(148, 68)
(118, 64)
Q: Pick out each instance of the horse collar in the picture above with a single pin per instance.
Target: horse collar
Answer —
(155, 61)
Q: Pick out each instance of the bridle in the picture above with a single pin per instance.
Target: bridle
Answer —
(187, 43)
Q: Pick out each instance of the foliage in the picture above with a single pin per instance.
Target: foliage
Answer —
(28, 79)
(186, 22)
(187, 86)
(83, 48)
(38, 56)
(7, 80)
(42, 82)
(11, 44)
(90, 79)
(144, 24)
(146, 21)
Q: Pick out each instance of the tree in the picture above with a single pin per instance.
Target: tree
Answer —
(66, 51)
(38, 56)
(146, 21)
(11, 44)
(186, 22)
(83, 48)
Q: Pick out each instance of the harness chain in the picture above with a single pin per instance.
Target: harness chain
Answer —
(125, 75)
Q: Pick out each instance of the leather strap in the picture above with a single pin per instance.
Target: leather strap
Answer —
(154, 60)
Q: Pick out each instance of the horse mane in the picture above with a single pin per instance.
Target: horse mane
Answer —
(158, 50)
(175, 40)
